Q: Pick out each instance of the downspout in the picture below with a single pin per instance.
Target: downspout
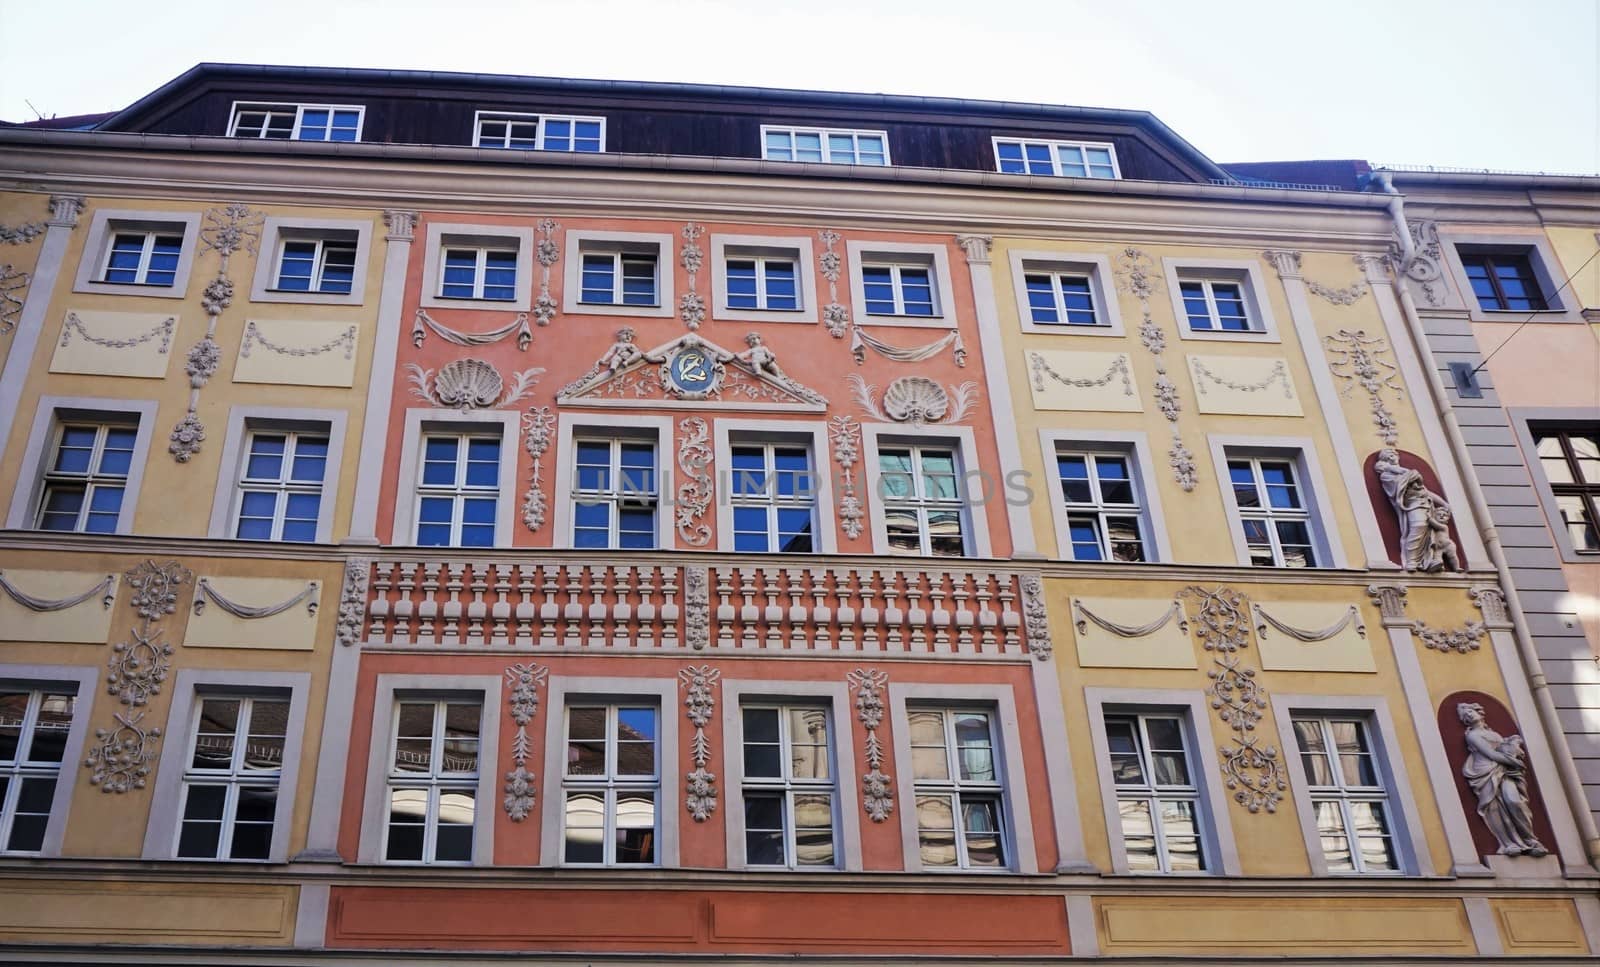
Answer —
(1571, 783)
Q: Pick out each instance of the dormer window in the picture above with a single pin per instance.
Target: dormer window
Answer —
(297, 122)
(1066, 159)
(541, 132)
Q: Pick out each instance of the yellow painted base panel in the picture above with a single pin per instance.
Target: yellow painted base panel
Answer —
(94, 911)
(1220, 925)
(294, 629)
(87, 622)
(1544, 926)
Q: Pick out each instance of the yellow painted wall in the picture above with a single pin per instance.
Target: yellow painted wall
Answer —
(16, 210)
(1574, 248)
(134, 911)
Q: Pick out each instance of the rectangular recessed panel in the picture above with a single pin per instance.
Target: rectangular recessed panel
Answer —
(139, 344)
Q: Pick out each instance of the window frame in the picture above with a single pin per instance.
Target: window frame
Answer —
(919, 502)
(437, 781)
(788, 786)
(52, 411)
(1528, 423)
(565, 690)
(300, 109)
(1100, 509)
(581, 242)
(571, 427)
(91, 481)
(393, 689)
(234, 778)
(1055, 146)
(1411, 849)
(245, 420)
(771, 502)
(824, 134)
(998, 701)
(283, 488)
(1094, 266)
(796, 248)
(278, 229)
(458, 491)
(1264, 511)
(615, 497)
(612, 784)
(421, 422)
(1193, 709)
(82, 682)
(1135, 446)
(936, 258)
(1301, 452)
(963, 441)
(193, 685)
(836, 698)
(539, 121)
(104, 226)
(441, 236)
(1562, 303)
(812, 434)
(1246, 273)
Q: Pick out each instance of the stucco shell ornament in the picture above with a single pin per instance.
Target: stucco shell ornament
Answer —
(915, 399)
(468, 384)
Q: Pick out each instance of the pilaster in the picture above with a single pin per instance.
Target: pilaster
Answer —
(380, 385)
(64, 212)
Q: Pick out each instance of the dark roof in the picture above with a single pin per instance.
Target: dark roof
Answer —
(71, 122)
(1346, 174)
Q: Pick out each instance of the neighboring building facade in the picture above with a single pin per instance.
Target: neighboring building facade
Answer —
(608, 497)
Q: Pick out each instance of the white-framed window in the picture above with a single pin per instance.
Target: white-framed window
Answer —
(789, 795)
(1071, 159)
(1345, 781)
(297, 122)
(611, 786)
(542, 132)
(1220, 299)
(321, 265)
(1064, 293)
(230, 784)
(458, 489)
(138, 253)
(1062, 298)
(1275, 512)
(960, 795)
(432, 795)
(838, 146)
(142, 258)
(1158, 798)
(621, 278)
(923, 494)
(904, 288)
(767, 282)
(481, 273)
(34, 727)
(1101, 491)
(763, 278)
(86, 476)
(1215, 305)
(280, 485)
(615, 492)
(773, 489)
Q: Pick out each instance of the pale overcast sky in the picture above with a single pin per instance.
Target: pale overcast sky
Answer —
(1474, 83)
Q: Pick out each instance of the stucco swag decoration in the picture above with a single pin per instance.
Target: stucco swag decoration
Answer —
(522, 697)
(692, 307)
(225, 231)
(12, 281)
(1252, 772)
(1352, 615)
(1497, 773)
(1358, 359)
(689, 369)
(517, 327)
(861, 341)
(120, 761)
(1288, 262)
(1136, 275)
(106, 590)
(1424, 516)
(353, 600)
(162, 329)
(1277, 374)
(844, 433)
(694, 493)
(1042, 370)
(915, 400)
(1463, 640)
(699, 703)
(877, 787)
(21, 234)
(470, 384)
(538, 425)
(1085, 617)
(205, 591)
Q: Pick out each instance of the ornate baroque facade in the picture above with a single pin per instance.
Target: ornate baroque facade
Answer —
(509, 530)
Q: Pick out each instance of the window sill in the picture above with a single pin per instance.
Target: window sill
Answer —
(617, 309)
(908, 322)
(1214, 335)
(293, 296)
(521, 303)
(782, 316)
(143, 289)
(1067, 329)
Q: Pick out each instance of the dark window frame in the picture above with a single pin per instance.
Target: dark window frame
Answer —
(1493, 259)
(1589, 493)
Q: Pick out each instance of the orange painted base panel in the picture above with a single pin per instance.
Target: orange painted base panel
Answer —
(688, 920)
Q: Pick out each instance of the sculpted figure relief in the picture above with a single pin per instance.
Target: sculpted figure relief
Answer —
(621, 353)
(759, 358)
(1497, 775)
(1425, 543)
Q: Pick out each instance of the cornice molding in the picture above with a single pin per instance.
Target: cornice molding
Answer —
(469, 179)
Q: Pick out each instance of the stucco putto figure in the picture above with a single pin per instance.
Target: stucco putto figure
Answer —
(1424, 516)
(1498, 777)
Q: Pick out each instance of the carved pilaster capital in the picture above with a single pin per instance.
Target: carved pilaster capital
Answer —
(1284, 261)
(402, 224)
(977, 248)
(1391, 602)
(1491, 603)
(65, 209)
(1374, 268)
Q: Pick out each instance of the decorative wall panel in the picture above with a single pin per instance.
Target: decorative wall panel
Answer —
(56, 606)
(1062, 379)
(297, 353)
(272, 613)
(115, 343)
(1249, 385)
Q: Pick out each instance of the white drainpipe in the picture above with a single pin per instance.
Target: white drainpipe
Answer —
(1571, 782)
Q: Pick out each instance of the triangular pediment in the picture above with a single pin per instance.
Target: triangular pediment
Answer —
(689, 371)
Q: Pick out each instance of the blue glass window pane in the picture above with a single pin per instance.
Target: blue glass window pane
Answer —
(778, 147)
(254, 529)
(637, 482)
(300, 531)
(916, 292)
(477, 512)
(1085, 535)
(1041, 299)
(586, 136)
(877, 281)
(1275, 473)
(344, 125)
(1010, 155)
(638, 281)
(599, 279)
(808, 147)
(750, 542)
(750, 519)
(256, 503)
(303, 507)
(115, 460)
(433, 535)
(314, 126)
(297, 266)
(76, 449)
(638, 455)
(742, 285)
(637, 529)
(100, 523)
(1039, 162)
(483, 474)
(105, 499)
(436, 510)
(782, 292)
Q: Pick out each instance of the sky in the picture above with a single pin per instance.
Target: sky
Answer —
(1464, 83)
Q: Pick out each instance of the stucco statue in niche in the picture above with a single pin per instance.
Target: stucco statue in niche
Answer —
(622, 352)
(1498, 777)
(759, 358)
(1424, 516)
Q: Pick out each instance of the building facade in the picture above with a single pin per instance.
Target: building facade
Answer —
(608, 521)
